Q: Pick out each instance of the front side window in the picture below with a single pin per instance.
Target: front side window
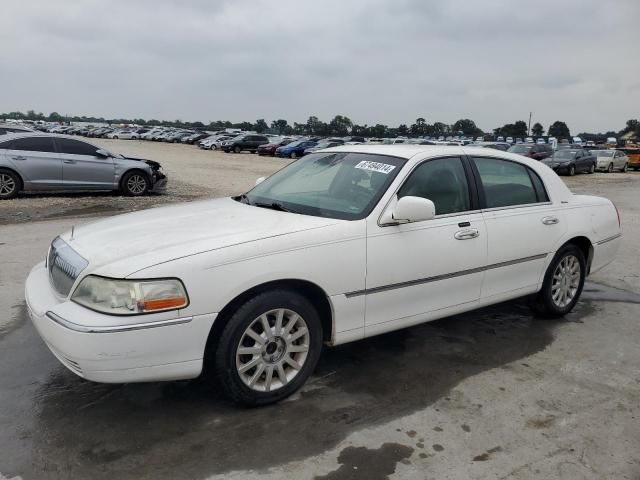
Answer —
(505, 183)
(333, 185)
(443, 181)
(34, 144)
(75, 147)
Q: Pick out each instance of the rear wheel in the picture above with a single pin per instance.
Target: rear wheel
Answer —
(562, 284)
(237, 149)
(135, 184)
(9, 185)
(269, 347)
(293, 155)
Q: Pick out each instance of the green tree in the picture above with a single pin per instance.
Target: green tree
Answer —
(418, 128)
(467, 127)
(261, 126)
(559, 130)
(281, 126)
(340, 126)
(537, 130)
(55, 117)
(402, 130)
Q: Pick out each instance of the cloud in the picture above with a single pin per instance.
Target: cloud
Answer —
(374, 61)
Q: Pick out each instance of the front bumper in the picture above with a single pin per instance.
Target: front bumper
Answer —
(110, 349)
(160, 183)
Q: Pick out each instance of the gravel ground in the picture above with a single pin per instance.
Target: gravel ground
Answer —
(193, 174)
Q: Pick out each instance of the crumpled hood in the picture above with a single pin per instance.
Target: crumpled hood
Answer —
(142, 239)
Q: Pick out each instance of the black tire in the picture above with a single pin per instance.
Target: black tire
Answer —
(213, 147)
(237, 149)
(592, 168)
(135, 183)
(625, 168)
(225, 355)
(543, 303)
(10, 184)
(253, 151)
(115, 137)
(293, 155)
(572, 170)
(610, 168)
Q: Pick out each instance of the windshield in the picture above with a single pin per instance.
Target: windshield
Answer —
(520, 148)
(603, 153)
(333, 185)
(564, 154)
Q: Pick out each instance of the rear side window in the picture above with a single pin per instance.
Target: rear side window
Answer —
(34, 144)
(506, 183)
(75, 147)
(443, 181)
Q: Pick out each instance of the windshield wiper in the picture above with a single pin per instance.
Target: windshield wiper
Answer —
(274, 206)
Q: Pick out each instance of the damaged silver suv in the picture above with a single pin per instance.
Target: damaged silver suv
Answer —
(34, 161)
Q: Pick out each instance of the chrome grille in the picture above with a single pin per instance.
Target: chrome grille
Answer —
(64, 266)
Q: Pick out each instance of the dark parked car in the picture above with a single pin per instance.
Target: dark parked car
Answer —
(322, 144)
(571, 161)
(249, 142)
(295, 149)
(270, 148)
(533, 150)
(502, 146)
(4, 129)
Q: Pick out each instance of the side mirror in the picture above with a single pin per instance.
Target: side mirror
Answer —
(102, 153)
(414, 209)
(260, 180)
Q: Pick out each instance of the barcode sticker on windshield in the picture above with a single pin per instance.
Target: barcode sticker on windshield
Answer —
(376, 167)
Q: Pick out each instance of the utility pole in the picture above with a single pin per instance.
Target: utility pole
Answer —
(529, 127)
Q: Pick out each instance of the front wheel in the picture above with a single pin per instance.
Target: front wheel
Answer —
(562, 284)
(625, 168)
(135, 184)
(592, 168)
(572, 170)
(269, 348)
(237, 149)
(293, 155)
(610, 168)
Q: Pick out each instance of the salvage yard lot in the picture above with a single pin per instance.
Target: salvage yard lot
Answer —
(489, 394)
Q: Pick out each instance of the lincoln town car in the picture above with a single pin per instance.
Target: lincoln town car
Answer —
(340, 245)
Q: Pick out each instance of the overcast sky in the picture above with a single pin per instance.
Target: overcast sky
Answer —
(375, 61)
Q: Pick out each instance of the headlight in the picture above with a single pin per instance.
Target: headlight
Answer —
(130, 297)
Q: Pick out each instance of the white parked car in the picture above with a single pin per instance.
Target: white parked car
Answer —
(343, 244)
(123, 135)
(610, 160)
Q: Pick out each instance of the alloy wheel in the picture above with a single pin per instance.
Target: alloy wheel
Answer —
(7, 185)
(272, 350)
(136, 184)
(565, 282)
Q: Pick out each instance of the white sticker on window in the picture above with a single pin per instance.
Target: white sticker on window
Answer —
(376, 167)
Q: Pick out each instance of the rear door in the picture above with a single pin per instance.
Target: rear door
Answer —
(37, 162)
(82, 167)
(523, 226)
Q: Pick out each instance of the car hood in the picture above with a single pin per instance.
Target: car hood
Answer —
(121, 245)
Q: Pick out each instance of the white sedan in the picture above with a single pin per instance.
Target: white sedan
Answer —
(610, 160)
(341, 245)
(123, 135)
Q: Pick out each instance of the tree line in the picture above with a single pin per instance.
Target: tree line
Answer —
(341, 125)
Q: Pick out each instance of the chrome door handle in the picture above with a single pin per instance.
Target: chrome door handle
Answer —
(69, 161)
(19, 157)
(550, 220)
(467, 234)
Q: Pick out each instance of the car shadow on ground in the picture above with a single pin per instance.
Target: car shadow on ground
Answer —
(188, 429)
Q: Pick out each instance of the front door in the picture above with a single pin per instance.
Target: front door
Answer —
(419, 270)
(82, 167)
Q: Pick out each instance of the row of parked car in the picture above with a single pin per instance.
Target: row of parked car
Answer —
(564, 157)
